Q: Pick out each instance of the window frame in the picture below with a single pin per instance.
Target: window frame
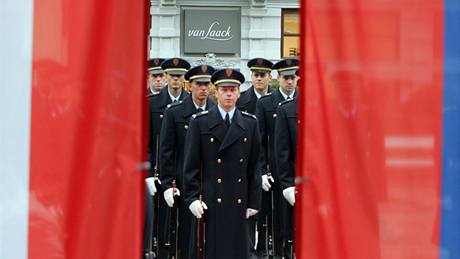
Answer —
(283, 12)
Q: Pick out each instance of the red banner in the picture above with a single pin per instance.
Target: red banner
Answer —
(369, 138)
(86, 129)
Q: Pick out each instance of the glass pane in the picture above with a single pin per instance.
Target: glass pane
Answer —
(291, 22)
(291, 46)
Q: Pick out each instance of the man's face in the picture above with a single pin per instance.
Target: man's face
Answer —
(288, 83)
(260, 80)
(156, 82)
(227, 96)
(200, 90)
(175, 81)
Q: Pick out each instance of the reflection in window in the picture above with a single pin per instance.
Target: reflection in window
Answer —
(290, 30)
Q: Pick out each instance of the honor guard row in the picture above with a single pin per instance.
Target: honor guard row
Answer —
(216, 164)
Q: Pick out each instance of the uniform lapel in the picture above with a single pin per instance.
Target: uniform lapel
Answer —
(210, 103)
(189, 107)
(235, 131)
(216, 124)
(183, 94)
(277, 99)
(164, 98)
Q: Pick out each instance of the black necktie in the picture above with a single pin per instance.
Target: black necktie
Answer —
(199, 110)
(227, 120)
(288, 98)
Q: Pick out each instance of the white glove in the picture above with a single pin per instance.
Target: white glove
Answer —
(289, 195)
(266, 182)
(197, 208)
(169, 195)
(250, 212)
(150, 182)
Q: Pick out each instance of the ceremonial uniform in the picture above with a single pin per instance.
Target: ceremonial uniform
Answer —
(287, 76)
(154, 68)
(221, 170)
(285, 150)
(172, 142)
(260, 76)
(157, 105)
(266, 114)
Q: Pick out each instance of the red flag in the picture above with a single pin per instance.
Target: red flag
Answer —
(369, 138)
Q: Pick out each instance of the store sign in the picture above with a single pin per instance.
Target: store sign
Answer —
(212, 31)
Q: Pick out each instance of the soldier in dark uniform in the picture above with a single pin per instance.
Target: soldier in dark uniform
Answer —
(175, 68)
(285, 149)
(266, 114)
(172, 140)
(222, 178)
(260, 78)
(155, 81)
(156, 78)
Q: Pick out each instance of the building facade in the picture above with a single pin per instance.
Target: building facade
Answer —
(224, 33)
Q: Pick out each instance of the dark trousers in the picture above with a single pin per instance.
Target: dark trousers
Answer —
(271, 207)
(148, 225)
(288, 230)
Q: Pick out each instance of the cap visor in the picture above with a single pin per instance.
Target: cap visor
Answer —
(260, 71)
(228, 85)
(156, 72)
(288, 72)
(177, 73)
(204, 79)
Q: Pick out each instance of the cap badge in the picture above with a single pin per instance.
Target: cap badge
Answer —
(175, 62)
(260, 61)
(288, 62)
(229, 72)
(204, 68)
(156, 61)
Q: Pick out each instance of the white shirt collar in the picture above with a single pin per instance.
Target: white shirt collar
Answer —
(223, 113)
(257, 93)
(153, 92)
(172, 96)
(286, 96)
(197, 107)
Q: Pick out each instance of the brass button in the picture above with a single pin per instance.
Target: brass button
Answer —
(219, 160)
(186, 126)
(238, 201)
(211, 140)
(219, 180)
(274, 115)
(245, 140)
(239, 180)
(161, 116)
(219, 200)
(241, 160)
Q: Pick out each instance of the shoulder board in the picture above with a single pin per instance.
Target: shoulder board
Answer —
(249, 114)
(267, 95)
(200, 114)
(173, 104)
(286, 101)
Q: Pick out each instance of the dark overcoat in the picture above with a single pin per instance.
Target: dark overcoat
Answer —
(221, 166)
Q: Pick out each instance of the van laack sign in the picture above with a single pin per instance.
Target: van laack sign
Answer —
(212, 31)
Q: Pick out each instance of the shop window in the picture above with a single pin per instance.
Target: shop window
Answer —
(290, 33)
